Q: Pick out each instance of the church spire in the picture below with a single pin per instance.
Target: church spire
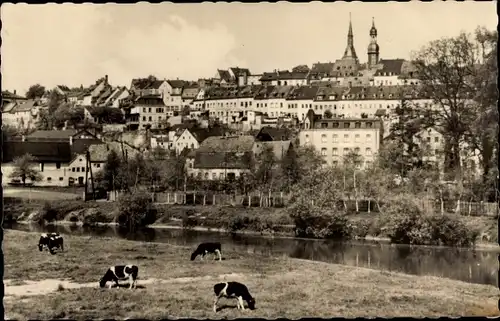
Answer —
(373, 47)
(349, 50)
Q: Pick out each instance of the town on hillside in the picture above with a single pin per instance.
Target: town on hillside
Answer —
(339, 110)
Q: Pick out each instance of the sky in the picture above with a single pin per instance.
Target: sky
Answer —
(75, 44)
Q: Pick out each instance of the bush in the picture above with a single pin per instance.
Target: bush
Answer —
(49, 214)
(313, 222)
(136, 211)
(93, 216)
(189, 220)
(432, 230)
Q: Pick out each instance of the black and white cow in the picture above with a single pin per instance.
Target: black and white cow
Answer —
(51, 241)
(233, 290)
(120, 272)
(205, 248)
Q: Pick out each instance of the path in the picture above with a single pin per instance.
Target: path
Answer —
(47, 286)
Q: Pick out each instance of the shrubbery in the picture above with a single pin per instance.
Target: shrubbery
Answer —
(311, 221)
(410, 226)
(189, 220)
(136, 211)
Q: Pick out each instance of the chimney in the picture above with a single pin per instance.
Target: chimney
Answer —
(106, 78)
(14, 91)
(71, 140)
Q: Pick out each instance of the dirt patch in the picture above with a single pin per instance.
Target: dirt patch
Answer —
(43, 287)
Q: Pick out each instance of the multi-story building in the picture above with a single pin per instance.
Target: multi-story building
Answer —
(284, 78)
(335, 138)
(148, 111)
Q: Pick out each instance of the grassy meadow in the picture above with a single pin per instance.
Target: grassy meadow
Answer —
(170, 285)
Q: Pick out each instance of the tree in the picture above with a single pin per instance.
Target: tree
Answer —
(35, 91)
(290, 168)
(300, 68)
(264, 173)
(328, 114)
(23, 169)
(185, 111)
(482, 133)
(351, 163)
(405, 133)
(446, 69)
(309, 160)
(112, 172)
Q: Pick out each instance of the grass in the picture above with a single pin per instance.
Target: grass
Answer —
(282, 287)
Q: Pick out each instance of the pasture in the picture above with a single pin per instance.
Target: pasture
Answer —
(65, 285)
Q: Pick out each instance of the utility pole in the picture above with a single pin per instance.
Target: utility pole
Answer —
(86, 176)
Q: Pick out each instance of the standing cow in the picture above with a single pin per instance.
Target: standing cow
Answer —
(52, 241)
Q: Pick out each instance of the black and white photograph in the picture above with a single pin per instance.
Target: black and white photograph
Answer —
(219, 160)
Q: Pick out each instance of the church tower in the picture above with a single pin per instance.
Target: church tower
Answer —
(373, 48)
(349, 52)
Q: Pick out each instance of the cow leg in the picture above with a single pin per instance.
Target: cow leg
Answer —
(62, 246)
(215, 303)
(240, 301)
(219, 254)
(131, 281)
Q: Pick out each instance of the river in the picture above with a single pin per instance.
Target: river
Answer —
(469, 265)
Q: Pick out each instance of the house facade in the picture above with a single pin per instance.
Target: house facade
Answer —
(336, 138)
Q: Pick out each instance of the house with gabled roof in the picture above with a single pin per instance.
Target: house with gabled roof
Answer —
(191, 138)
(58, 158)
(21, 114)
(221, 158)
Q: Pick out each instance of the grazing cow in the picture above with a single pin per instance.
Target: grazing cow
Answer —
(205, 248)
(233, 290)
(120, 272)
(52, 241)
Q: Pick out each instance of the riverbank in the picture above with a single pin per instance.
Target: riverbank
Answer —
(236, 219)
(481, 245)
(170, 285)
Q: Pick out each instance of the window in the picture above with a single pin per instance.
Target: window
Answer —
(58, 165)
(436, 139)
(144, 110)
(346, 138)
(150, 118)
(149, 109)
(98, 165)
(346, 151)
(214, 175)
(335, 125)
(368, 138)
(428, 139)
(356, 138)
(368, 151)
(73, 169)
(335, 152)
(335, 163)
(324, 125)
(357, 125)
(144, 118)
(323, 151)
(221, 175)
(369, 124)
(49, 179)
(61, 178)
(83, 169)
(335, 138)
(206, 175)
(78, 169)
(347, 125)
(307, 138)
(356, 150)
(323, 138)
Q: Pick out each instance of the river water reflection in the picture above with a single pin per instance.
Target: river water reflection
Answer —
(474, 266)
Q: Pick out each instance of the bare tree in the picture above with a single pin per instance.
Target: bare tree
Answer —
(446, 69)
(23, 169)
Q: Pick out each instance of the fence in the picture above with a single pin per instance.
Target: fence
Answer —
(282, 199)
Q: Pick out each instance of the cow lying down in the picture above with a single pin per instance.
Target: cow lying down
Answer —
(120, 272)
(51, 241)
(205, 248)
(233, 290)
